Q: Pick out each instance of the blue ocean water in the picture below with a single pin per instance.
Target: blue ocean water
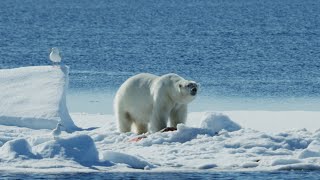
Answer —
(246, 54)
(285, 175)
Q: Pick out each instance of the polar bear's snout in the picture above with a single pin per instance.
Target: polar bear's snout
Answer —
(193, 91)
(193, 88)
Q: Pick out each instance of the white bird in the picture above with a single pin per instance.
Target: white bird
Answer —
(57, 131)
(55, 55)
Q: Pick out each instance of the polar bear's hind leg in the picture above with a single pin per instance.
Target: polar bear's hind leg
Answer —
(124, 122)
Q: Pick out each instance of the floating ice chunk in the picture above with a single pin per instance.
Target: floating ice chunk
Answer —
(18, 148)
(80, 148)
(132, 161)
(217, 122)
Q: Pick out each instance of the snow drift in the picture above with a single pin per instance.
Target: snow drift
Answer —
(131, 161)
(18, 148)
(205, 143)
(35, 97)
(217, 122)
(79, 148)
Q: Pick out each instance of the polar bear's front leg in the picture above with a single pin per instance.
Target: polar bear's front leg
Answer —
(178, 115)
(158, 123)
(159, 119)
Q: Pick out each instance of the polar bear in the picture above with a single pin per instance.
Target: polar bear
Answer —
(147, 101)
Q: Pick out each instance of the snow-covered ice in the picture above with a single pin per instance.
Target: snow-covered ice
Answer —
(189, 148)
(218, 122)
(35, 97)
(209, 141)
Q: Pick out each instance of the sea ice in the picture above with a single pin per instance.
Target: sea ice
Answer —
(188, 148)
(132, 161)
(35, 97)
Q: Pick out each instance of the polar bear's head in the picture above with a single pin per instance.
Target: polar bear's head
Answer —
(184, 91)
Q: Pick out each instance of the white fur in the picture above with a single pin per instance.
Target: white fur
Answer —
(149, 100)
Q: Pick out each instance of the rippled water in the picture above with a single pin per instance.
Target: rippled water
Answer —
(242, 52)
(286, 175)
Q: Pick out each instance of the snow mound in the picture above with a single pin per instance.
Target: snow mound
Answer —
(185, 133)
(18, 148)
(35, 97)
(182, 135)
(313, 150)
(132, 161)
(80, 148)
(277, 162)
(217, 122)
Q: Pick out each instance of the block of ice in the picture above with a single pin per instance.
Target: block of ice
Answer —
(35, 97)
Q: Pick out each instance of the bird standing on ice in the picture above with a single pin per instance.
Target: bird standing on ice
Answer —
(55, 55)
(57, 131)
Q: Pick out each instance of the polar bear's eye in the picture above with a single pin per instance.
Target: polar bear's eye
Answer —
(180, 85)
